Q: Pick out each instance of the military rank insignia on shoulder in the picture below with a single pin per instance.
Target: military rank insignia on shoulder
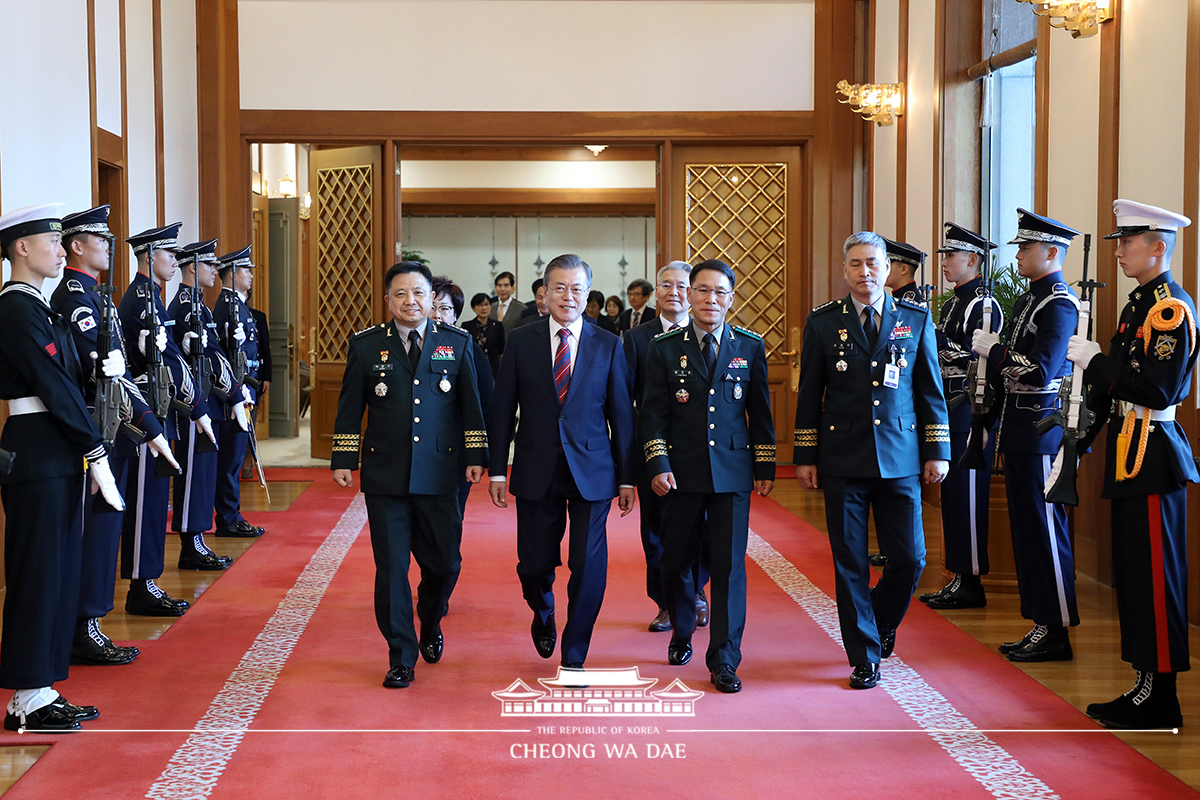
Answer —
(365, 331)
(667, 334)
(74, 286)
(746, 331)
(821, 309)
(913, 304)
(449, 327)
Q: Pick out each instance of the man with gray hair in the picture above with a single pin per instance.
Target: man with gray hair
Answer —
(871, 426)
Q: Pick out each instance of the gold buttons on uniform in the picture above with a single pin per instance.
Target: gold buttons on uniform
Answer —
(874, 363)
(874, 383)
(416, 382)
(876, 402)
(712, 408)
(418, 419)
(711, 443)
(416, 401)
(711, 425)
(712, 391)
(418, 438)
(876, 422)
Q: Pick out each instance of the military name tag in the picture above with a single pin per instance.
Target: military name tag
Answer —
(682, 395)
(383, 367)
(891, 376)
(381, 389)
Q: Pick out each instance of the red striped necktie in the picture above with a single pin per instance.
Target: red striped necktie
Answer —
(562, 366)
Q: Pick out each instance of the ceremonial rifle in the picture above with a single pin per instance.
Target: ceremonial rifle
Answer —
(158, 377)
(979, 391)
(238, 355)
(201, 375)
(111, 396)
(1073, 413)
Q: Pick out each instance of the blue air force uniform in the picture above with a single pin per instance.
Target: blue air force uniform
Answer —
(420, 420)
(714, 431)
(868, 418)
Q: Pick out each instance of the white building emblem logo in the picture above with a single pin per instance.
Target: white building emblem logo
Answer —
(597, 693)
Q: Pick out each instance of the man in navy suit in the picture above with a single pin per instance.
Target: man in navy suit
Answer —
(638, 312)
(871, 426)
(574, 453)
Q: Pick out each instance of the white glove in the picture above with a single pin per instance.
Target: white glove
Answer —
(205, 426)
(189, 342)
(1082, 351)
(246, 394)
(239, 333)
(982, 342)
(103, 482)
(203, 339)
(239, 413)
(160, 341)
(113, 365)
(158, 447)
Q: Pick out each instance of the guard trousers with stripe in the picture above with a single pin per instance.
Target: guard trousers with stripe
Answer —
(1149, 545)
(196, 488)
(965, 511)
(144, 531)
(1041, 543)
(232, 441)
(101, 544)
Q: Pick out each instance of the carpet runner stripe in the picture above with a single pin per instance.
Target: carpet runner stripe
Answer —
(987, 762)
(195, 767)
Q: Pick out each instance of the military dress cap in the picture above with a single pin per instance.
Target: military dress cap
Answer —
(94, 220)
(956, 238)
(205, 252)
(904, 253)
(1033, 227)
(46, 218)
(238, 258)
(1133, 218)
(164, 238)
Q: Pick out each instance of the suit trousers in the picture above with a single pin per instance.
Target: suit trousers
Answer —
(541, 524)
(430, 529)
(232, 442)
(144, 529)
(1041, 543)
(650, 511)
(965, 494)
(101, 546)
(43, 540)
(691, 520)
(195, 489)
(864, 611)
(1150, 575)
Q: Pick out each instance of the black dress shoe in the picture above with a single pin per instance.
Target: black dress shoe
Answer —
(92, 648)
(965, 591)
(679, 652)
(878, 560)
(1008, 647)
(1045, 644)
(77, 713)
(399, 677)
(431, 649)
(887, 642)
(1151, 703)
(865, 676)
(701, 610)
(661, 623)
(147, 600)
(47, 719)
(545, 636)
(573, 666)
(925, 598)
(725, 679)
(203, 561)
(241, 530)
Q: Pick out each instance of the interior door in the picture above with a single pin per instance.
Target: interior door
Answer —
(746, 207)
(260, 250)
(345, 271)
(284, 235)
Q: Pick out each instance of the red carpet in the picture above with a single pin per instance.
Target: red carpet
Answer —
(322, 726)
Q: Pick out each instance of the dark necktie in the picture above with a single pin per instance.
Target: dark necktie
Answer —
(869, 327)
(673, 327)
(710, 354)
(414, 349)
(562, 366)
(637, 318)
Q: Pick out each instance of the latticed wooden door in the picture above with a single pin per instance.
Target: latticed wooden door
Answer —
(744, 206)
(346, 271)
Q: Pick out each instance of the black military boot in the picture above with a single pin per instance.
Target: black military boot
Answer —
(195, 554)
(1046, 643)
(1151, 703)
(93, 648)
(965, 591)
(145, 599)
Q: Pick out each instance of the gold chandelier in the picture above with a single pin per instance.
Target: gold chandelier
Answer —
(1081, 18)
(880, 103)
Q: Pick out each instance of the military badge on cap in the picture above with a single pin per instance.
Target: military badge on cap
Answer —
(94, 220)
(904, 253)
(1134, 218)
(29, 221)
(1033, 227)
(956, 238)
(164, 238)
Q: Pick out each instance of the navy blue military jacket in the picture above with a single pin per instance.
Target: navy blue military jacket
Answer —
(77, 300)
(214, 356)
(1149, 363)
(848, 421)
(418, 423)
(38, 360)
(1028, 370)
(135, 318)
(636, 342)
(958, 320)
(714, 432)
(910, 292)
(228, 311)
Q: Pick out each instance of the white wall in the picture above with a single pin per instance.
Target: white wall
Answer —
(526, 55)
(527, 174)
(922, 230)
(108, 65)
(141, 168)
(887, 70)
(180, 120)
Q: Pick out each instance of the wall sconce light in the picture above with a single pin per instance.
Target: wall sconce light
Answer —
(880, 103)
(596, 149)
(1081, 18)
(306, 205)
(287, 186)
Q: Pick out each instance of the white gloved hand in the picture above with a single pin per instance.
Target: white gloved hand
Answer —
(103, 482)
(113, 365)
(239, 333)
(142, 341)
(160, 341)
(204, 423)
(1082, 350)
(239, 413)
(204, 338)
(158, 446)
(982, 342)
(189, 343)
(249, 398)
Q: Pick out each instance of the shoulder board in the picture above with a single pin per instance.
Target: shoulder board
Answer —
(821, 309)
(365, 331)
(913, 304)
(746, 331)
(446, 326)
(666, 334)
(1061, 289)
(1162, 291)
(74, 286)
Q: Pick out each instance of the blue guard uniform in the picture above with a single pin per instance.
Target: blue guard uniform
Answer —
(869, 417)
(1148, 464)
(80, 302)
(1027, 371)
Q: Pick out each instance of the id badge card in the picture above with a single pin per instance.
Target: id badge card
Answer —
(891, 376)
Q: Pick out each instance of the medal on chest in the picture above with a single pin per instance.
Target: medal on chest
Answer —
(841, 366)
(682, 396)
(381, 389)
(444, 384)
(737, 391)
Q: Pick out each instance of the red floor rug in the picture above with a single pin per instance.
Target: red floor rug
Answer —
(270, 687)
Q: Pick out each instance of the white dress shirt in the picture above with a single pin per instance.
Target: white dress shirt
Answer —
(420, 329)
(502, 309)
(877, 305)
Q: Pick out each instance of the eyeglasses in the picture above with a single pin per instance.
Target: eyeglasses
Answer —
(673, 287)
(703, 292)
(444, 309)
(577, 291)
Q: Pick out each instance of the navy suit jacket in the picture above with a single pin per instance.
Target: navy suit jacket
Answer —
(597, 403)
(625, 318)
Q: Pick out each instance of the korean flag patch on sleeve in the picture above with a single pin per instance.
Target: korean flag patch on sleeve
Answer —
(84, 318)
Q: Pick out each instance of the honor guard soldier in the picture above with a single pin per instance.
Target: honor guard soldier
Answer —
(144, 321)
(709, 440)
(237, 332)
(53, 440)
(1148, 464)
(906, 263)
(83, 302)
(870, 427)
(1028, 370)
(415, 378)
(196, 337)
(965, 492)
